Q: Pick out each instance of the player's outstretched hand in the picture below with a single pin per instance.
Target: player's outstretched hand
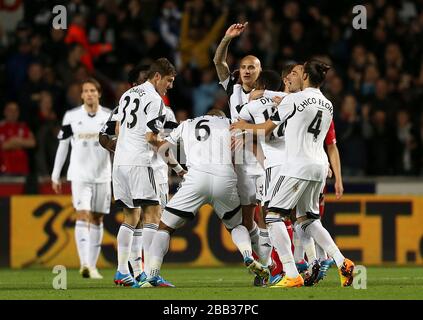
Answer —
(239, 125)
(339, 190)
(57, 187)
(236, 29)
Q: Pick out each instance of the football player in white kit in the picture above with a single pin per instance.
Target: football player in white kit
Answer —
(107, 138)
(142, 114)
(90, 180)
(258, 111)
(308, 115)
(248, 169)
(210, 179)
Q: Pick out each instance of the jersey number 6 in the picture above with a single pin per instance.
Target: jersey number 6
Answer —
(205, 127)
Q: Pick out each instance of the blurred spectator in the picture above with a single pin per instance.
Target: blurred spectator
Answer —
(204, 94)
(17, 67)
(30, 92)
(154, 46)
(296, 45)
(407, 146)
(335, 91)
(46, 136)
(15, 138)
(77, 34)
(195, 41)
(103, 32)
(350, 138)
(67, 68)
(56, 44)
(380, 152)
(130, 21)
(382, 100)
(371, 74)
(359, 60)
(169, 26)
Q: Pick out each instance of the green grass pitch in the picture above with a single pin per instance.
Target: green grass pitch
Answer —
(233, 283)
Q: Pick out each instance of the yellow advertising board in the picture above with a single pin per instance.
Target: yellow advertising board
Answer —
(370, 229)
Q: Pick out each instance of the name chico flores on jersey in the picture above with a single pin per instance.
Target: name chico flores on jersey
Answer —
(312, 100)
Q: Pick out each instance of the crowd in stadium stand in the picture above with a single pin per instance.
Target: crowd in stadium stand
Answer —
(375, 84)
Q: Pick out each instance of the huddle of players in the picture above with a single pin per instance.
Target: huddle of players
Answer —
(290, 130)
(143, 142)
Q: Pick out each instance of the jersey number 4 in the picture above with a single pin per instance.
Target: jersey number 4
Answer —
(314, 127)
(199, 126)
(132, 113)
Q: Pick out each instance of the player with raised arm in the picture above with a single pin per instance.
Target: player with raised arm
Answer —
(308, 115)
(142, 113)
(249, 171)
(210, 179)
(90, 180)
(258, 111)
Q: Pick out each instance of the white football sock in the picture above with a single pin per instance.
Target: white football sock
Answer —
(306, 241)
(148, 232)
(82, 239)
(124, 243)
(96, 237)
(321, 254)
(280, 240)
(241, 238)
(298, 247)
(135, 258)
(254, 236)
(265, 248)
(158, 250)
(323, 238)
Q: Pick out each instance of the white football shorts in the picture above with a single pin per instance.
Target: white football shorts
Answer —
(93, 197)
(134, 186)
(287, 193)
(199, 188)
(248, 186)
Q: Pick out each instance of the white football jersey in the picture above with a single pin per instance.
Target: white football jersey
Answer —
(308, 115)
(259, 111)
(89, 161)
(141, 110)
(238, 97)
(158, 164)
(207, 144)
